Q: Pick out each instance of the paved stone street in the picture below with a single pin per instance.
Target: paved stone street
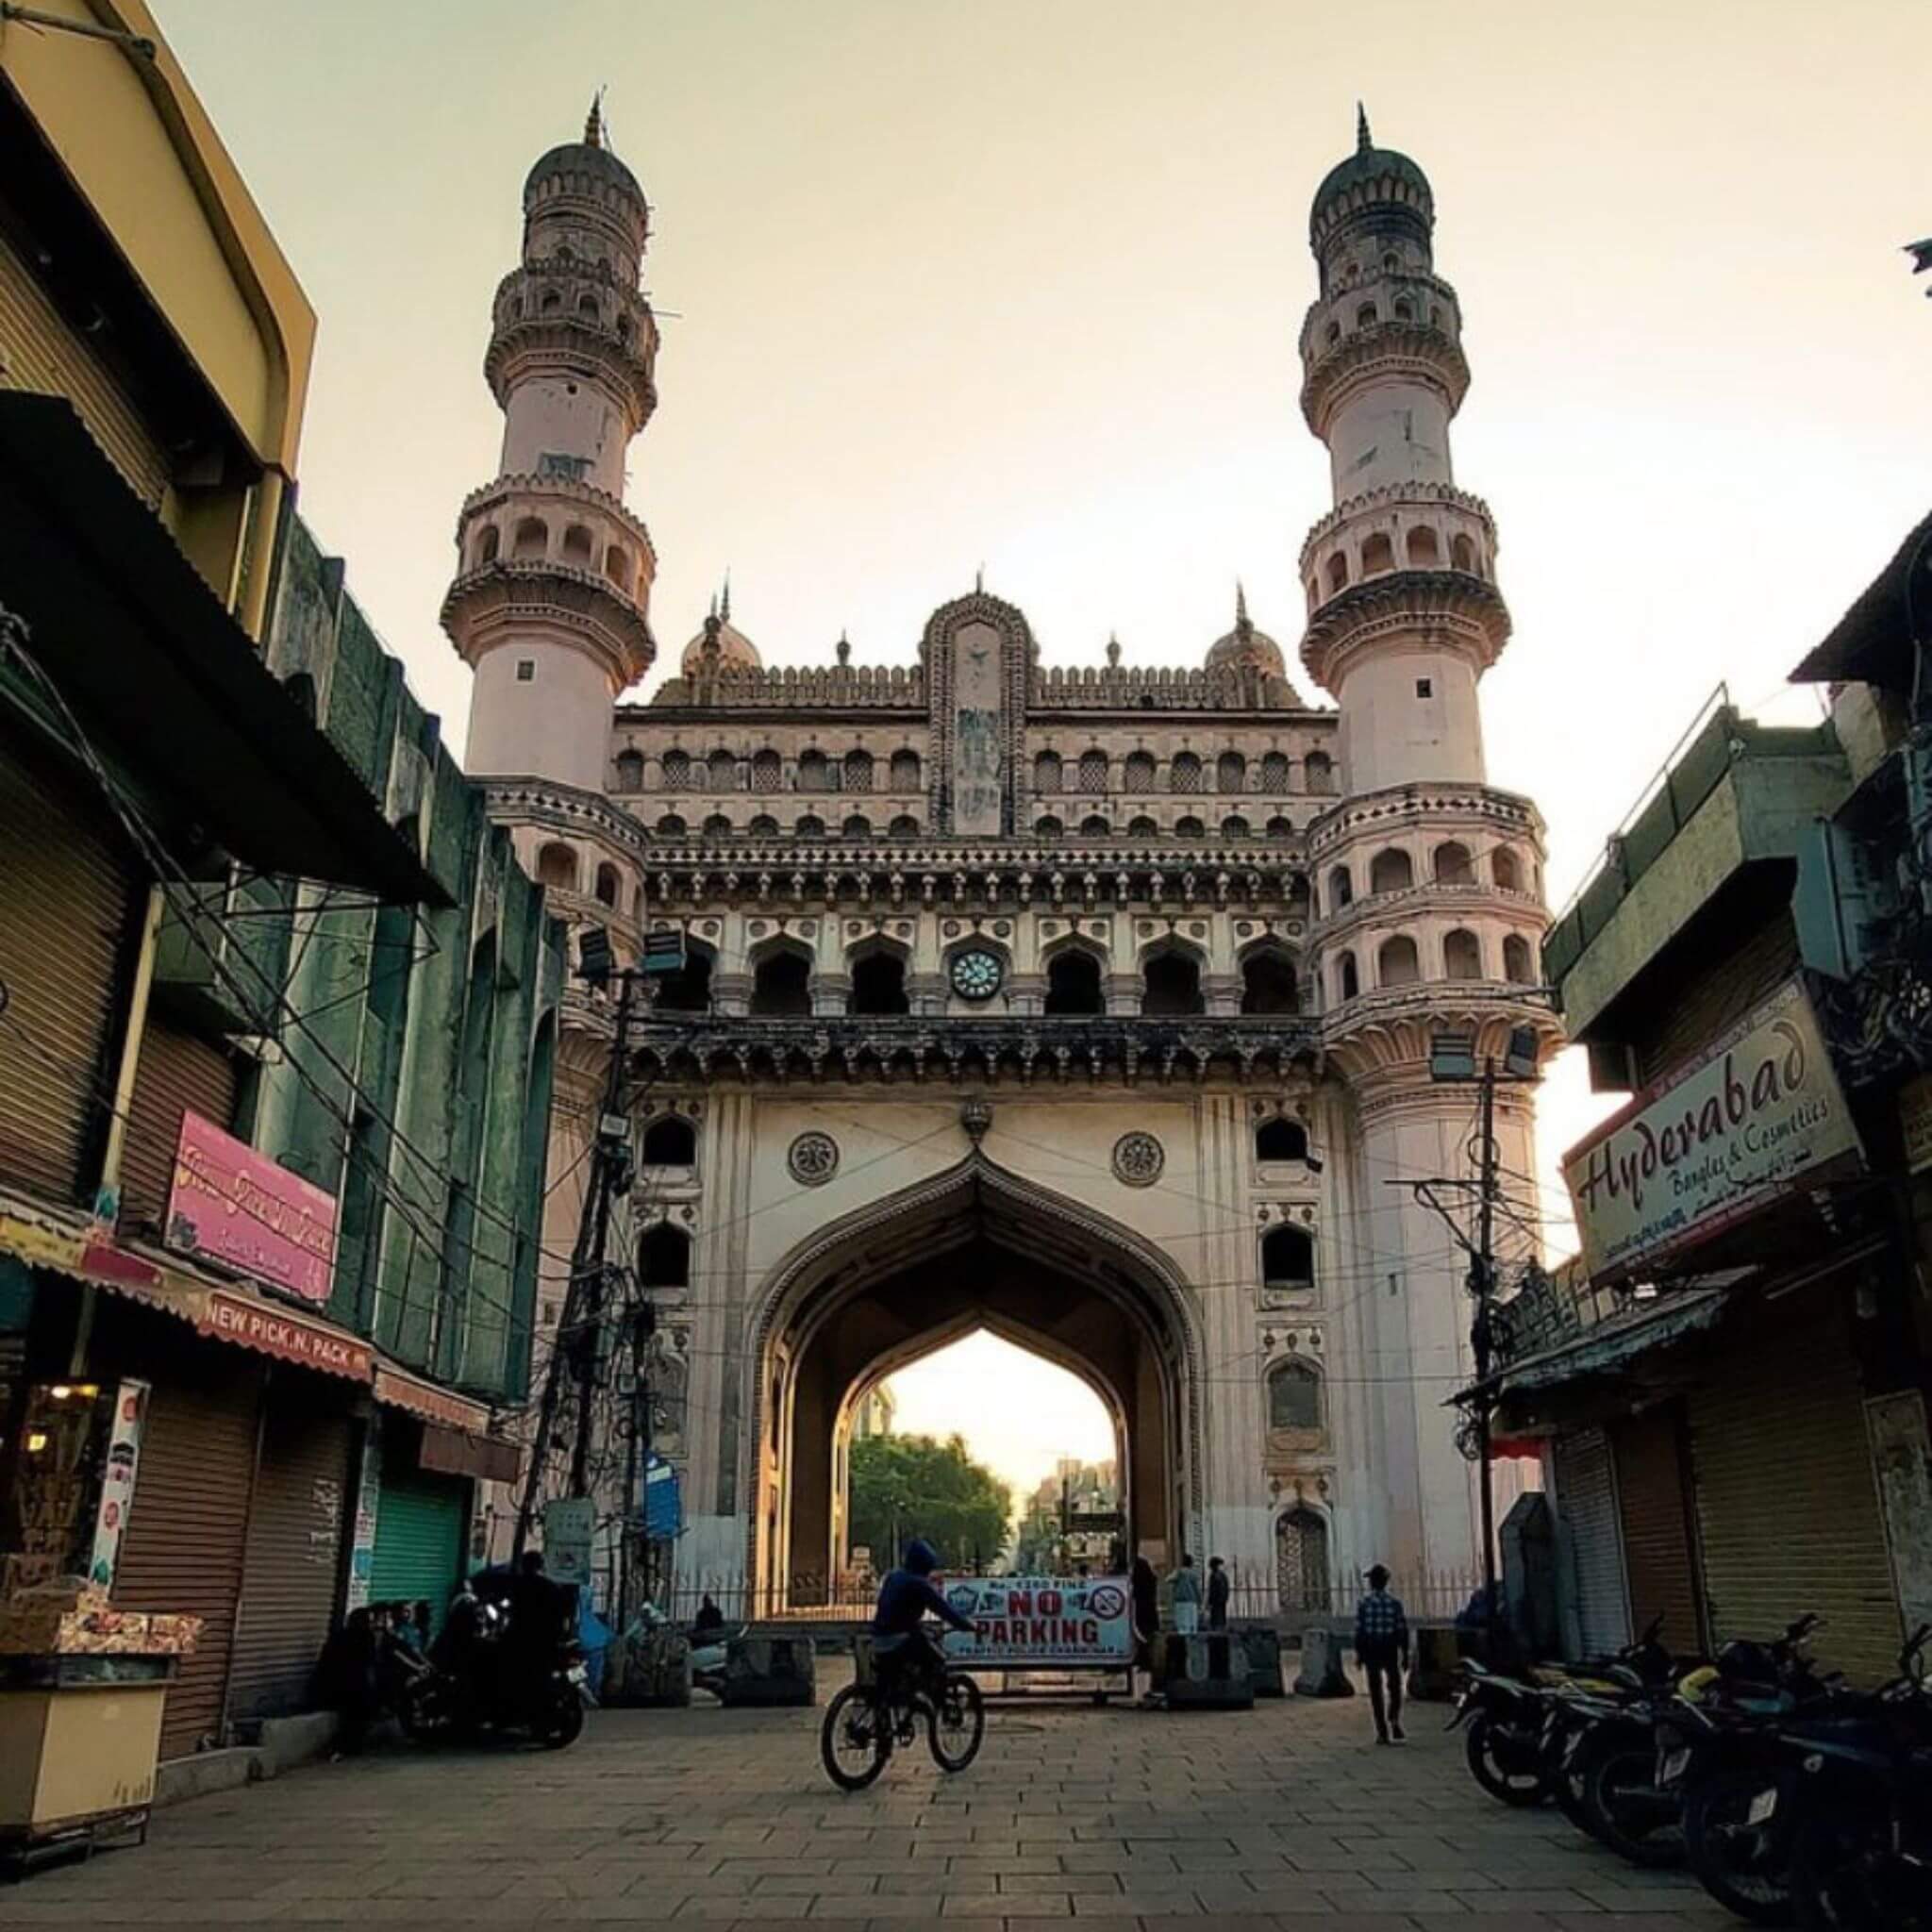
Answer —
(1114, 1815)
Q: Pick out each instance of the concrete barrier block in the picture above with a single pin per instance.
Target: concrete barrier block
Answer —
(651, 1669)
(1207, 1672)
(1432, 1668)
(1322, 1672)
(286, 1742)
(770, 1671)
(1263, 1646)
(177, 1780)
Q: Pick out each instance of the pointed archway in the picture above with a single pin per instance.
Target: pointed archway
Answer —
(976, 1247)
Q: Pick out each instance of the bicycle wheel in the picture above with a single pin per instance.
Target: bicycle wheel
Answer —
(955, 1726)
(856, 1739)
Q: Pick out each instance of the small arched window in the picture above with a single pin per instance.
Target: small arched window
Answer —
(688, 989)
(1391, 870)
(1170, 986)
(670, 827)
(551, 301)
(904, 826)
(1405, 309)
(1506, 870)
(878, 984)
(557, 867)
(1295, 1396)
(617, 564)
(1462, 553)
(670, 1141)
(1341, 889)
(720, 771)
(1397, 964)
(717, 826)
(1073, 983)
(763, 826)
(905, 771)
(1093, 770)
(489, 542)
(1337, 569)
(607, 884)
(1281, 1139)
(859, 771)
(1391, 261)
(576, 546)
(1190, 827)
(1453, 865)
(1462, 955)
(676, 768)
(814, 773)
(1094, 826)
(1365, 316)
(1275, 771)
(1332, 334)
(1280, 826)
(1267, 982)
(1379, 555)
(766, 770)
(1231, 772)
(857, 826)
(1517, 968)
(1047, 827)
(630, 770)
(1287, 1256)
(1183, 774)
(1235, 826)
(810, 827)
(1137, 773)
(1318, 772)
(1348, 980)
(1047, 773)
(587, 306)
(532, 538)
(1143, 828)
(1425, 552)
(781, 984)
(664, 1257)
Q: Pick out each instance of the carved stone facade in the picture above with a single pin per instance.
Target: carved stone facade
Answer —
(1090, 1006)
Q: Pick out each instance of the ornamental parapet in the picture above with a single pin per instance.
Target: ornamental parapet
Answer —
(1454, 609)
(566, 807)
(488, 498)
(1017, 1050)
(1159, 687)
(1381, 1040)
(553, 315)
(1397, 496)
(584, 605)
(1431, 805)
(1383, 352)
(795, 687)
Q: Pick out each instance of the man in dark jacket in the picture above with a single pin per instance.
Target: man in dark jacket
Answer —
(1381, 1647)
(1217, 1594)
(907, 1598)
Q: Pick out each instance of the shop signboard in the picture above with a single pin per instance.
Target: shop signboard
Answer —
(1713, 1142)
(231, 1205)
(362, 1538)
(570, 1527)
(258, 1325)
(117, 1480)
(1042, 1623)
(663, 1500)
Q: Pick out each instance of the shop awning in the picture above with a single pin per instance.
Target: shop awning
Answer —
(144, 651)
(1611, 1345)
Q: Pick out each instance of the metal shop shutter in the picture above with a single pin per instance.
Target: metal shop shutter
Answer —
(176, 1073)
(1786, 1506)
(422, 1525)
(293, 1568)
(189, 1519)
(1653, 1511)
(1587, 1502)
(68, 900)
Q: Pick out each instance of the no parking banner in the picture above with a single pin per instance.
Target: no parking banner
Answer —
(1042, 1623)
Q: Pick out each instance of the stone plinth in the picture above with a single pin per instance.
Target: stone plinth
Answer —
(1322, 1672)
(1263, 1646)
(1207, 1672)
(653, 1668)
(769, 1670)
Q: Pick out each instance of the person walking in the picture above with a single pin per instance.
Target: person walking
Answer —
(1217, 1594)
(1185, 1582)
(1381, 1648)
(1146, 1590)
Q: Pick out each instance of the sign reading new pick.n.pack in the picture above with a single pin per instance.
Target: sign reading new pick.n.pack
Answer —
(1046, 1623)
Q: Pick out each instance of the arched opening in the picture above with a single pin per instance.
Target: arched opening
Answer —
(1294, 1397)
(607, 884)
(1047, 773)
(1189, 827)
(814, 773)
(550, 302)
(1425, 552)
(763, 825)
(859, 771)
(1235, 826)
(1462, 955)
(1170, 984)
(1379, 555)
(557, 867)
(1094, 826)
(1318, 769)
(1184, 774)
(810, 827)
(1301, 1560)
(630, 770)
(1137, 774)
(688, 989)
(1453, 865)
(717, 825)
(1047, 827)
(878, 983)
(1397, 964)
(1279, 826)
(857, 826)
(1506, 870)
(670, 826)
(1287, 1256)
(980, 1250)
(905, 771)
(766, 770)
(1405, 309)
(664, 1257)
(1338, 572)
(576, 546)
(1518, 964)
(1391, 870)
(532, 539)
(1275, 771)
(1268, 982)
(720, 771)
(489, 543)
(617, 564)
(1341, 889)
(674, 766)
(671, 1141)
(1073, 983)
(1462, 553)
(1281, 1139)
(781, 984)
(904, 826)
(1231, 772)
(1143, 828)
(1348, 981)
(1365, 316)
(1094, 771)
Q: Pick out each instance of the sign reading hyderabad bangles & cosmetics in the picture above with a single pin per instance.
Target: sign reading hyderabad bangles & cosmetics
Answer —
(233, 1205)
(1713, 1142)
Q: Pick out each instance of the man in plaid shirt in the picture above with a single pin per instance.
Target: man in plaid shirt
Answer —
(1381, 1647)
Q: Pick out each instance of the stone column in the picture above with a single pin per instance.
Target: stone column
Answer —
(1122, 993)
(1222, 992)
(831, 992)
(926, 993)
(1026, 992)
(731, 992)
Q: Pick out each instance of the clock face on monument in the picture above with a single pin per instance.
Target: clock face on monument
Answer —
(976, 975)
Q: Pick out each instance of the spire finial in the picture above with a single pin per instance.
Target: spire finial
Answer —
(1363, 143)
(593, 120)
(1240, 607)
(844, 648)
(725, 602)
(1113, 650)
(979, 579)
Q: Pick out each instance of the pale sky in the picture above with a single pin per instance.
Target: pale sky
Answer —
(1017, 283)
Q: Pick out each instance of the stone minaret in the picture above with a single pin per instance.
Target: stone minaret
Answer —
(551, 599)
(1429, 882)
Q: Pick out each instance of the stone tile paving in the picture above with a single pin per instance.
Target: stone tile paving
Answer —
(1286, 1818)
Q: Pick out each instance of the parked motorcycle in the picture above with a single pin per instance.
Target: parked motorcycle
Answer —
(489, 1689)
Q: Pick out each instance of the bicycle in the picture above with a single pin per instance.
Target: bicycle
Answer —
(864, 1721)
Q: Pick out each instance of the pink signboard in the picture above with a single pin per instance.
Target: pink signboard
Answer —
(231, 1205)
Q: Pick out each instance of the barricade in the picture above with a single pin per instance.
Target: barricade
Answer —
(1207, 1672)
(653, 1667)
(1263, 1643)
(769, 1670)
(1322, 1672)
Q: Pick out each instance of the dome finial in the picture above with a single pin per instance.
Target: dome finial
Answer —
(593, 120)
(725, 602)
(1241, 607)
(1363, 143)
(1113, 650)
(844, 649)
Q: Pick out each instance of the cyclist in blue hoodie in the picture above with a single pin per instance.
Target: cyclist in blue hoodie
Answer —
(900, 1644)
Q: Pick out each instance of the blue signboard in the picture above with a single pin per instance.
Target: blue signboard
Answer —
(664, 1502)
